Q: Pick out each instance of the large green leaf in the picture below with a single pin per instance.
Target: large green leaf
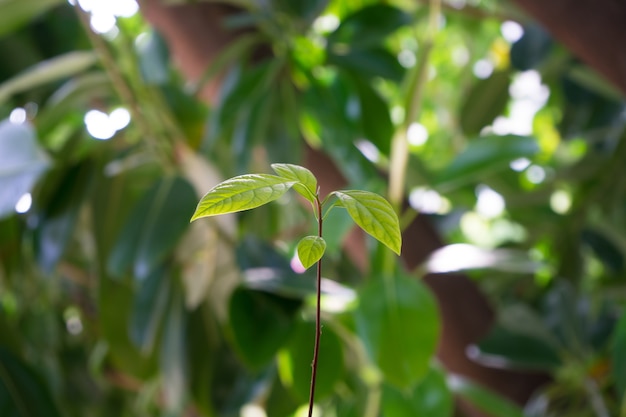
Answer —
(370, 62)
(485, 156)
(48, 71)
(261, 324)
(149, 306)
(619, 358)
(22, 391)
(484, 102)
(310, 250)
(482, 398)
(21, 163)
(398, 321)
(373, 214)
(375, 116)
(15, 13)
(295, 361)
(242, 193)
(300, 174)
(369, 25)
(154, 228)
(430, 397)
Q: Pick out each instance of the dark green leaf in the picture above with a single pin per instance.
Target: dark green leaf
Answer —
(484, 102)
(532, 48)
(153, 228)
(375, 117)
(482, 398)
(369, 25)
(295, 361)
(310, 250)
(618, 357)
(508, 349)
(606, 250)
(399, 323)
(21, 163)
(153, 58)
(22, 391)
(373, 214)
(371, 62)
(173, 356)
(430, 397)
(149, 307)
(261, 324)
(242, 193)
(15, 13)
(484, 156)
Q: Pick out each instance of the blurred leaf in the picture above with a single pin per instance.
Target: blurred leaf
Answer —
(173, 356)
(483, 156)
(483, 399)
(280, 402)
(369, 26)
(375, 116)
(153, 57)
(16, 13)
(504, 348)
(22, 391)
(300, 174)
(261, 324)
(394, 310)
(295, 361)
(485, 101)
(240, 193)
(45, 72)
(618, 356)
(374, 215)
(21, 163)
(532, 48)
(371, 62)
(58, 207)
(153, 228)
(429, 397)
(149, 306)
(605, 250)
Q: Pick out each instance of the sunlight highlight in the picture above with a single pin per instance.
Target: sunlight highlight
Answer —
(24, 203)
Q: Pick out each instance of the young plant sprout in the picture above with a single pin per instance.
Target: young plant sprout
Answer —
(370, 212)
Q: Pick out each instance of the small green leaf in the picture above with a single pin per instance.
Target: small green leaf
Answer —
(310, 250)
(373, 214)
(300, 174)
(240, 193)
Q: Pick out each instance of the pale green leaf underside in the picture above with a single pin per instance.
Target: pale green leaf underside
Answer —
(300, 174)
(374, 215)
(240, 193)
(310, 250)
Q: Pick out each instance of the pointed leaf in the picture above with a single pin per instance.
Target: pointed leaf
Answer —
(300, 174)
(374, 215)
(240, 193)
(310, 250)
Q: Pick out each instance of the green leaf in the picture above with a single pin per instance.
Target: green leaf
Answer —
(310, 250)
(240, 193)
(398, 321)
(44, 72)
(430, 397)
(532, 48)
(370, 62)
(261, 324)
(619, 358)
(149, 307)
(374, 215)
(22, 392)
(22, 162)
(375, 117)
(173, 357)
(15, 13)
(294, 362)
(300, 174)
(605, 250)
(154, 228)
(153, 58)
(369, 25)
(484, 156)
(484, 102)
(482, 398)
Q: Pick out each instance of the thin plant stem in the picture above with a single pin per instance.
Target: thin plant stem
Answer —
(318, 319)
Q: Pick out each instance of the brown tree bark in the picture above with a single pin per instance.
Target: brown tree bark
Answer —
(195, 36)
(594, 30)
